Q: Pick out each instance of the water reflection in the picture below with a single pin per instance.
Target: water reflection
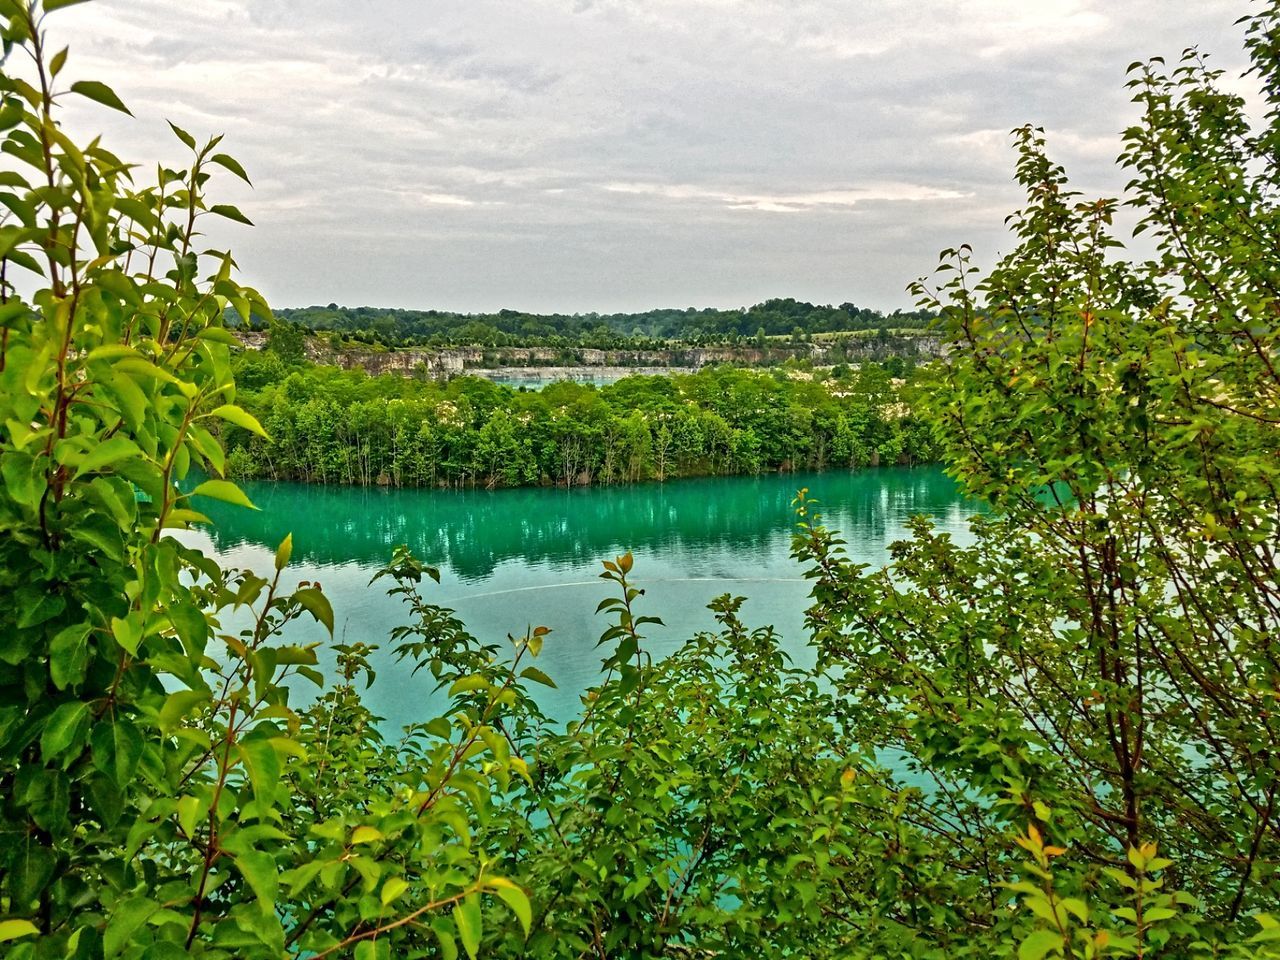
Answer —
(512, 558)
(474, 531)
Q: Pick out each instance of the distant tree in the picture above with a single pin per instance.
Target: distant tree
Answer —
(287, 340)
(385, 329)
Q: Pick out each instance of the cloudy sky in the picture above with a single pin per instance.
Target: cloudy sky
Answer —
(580, 155)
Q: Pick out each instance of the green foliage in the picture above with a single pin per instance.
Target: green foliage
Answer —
(778, 318)
(346, 427)
(1056, 740)
(286, 341)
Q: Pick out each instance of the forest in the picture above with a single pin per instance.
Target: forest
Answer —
(773, 318)
(330, 426)
(1055, 737)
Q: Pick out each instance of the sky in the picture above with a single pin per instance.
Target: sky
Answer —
(611, 155)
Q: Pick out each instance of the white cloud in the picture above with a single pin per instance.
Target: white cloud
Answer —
(600, 154)
(788, 202)
(446, 199)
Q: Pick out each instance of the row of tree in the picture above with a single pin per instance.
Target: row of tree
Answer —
(773, 318)
(332, 426)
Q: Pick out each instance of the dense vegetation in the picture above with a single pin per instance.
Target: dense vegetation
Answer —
(331, 426)
(773, 318)
(1059, 740)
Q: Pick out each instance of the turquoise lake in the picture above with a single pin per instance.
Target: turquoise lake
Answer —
(513, 558)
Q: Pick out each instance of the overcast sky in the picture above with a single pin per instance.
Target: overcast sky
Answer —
(601, 155)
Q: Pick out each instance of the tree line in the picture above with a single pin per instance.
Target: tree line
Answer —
(780, 317)
(331, 426)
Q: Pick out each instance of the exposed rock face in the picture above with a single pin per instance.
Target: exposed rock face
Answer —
(450, 361)
(437, 363)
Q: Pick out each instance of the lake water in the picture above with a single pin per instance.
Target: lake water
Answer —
(513, 558)
(535, 378)
(537, 383)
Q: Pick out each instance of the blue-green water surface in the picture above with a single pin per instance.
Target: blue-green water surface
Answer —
(513, 558)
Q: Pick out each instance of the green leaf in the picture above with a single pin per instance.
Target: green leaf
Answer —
(392, 889)
(145, 368)
(467, 684)
(241, 418)
(45, 607)
(218, 335)
(102, 532)
(448, 947)
(177, 705)
(1038, 944)
(31, 869)
(284, 551)
(190, 625)
(515, 898)
(231, 213)
(259, 870)
(188, 814)
(262, 764)
(130, 400)
(119, 499)
(69, 655)
(533, 673)
(11, 311)
(127, 632)
(292, 655)
(25, 260)
(98, 92)
(17, 471)
(317, 604)
(207, 447)
(225, 491)
(108, 453)
(67, 728)
(466, 917)
(301, 876)
(11, 113)
(125, 920)
(182, 135)
(13, 929)
(232, 164)
(116, 748)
